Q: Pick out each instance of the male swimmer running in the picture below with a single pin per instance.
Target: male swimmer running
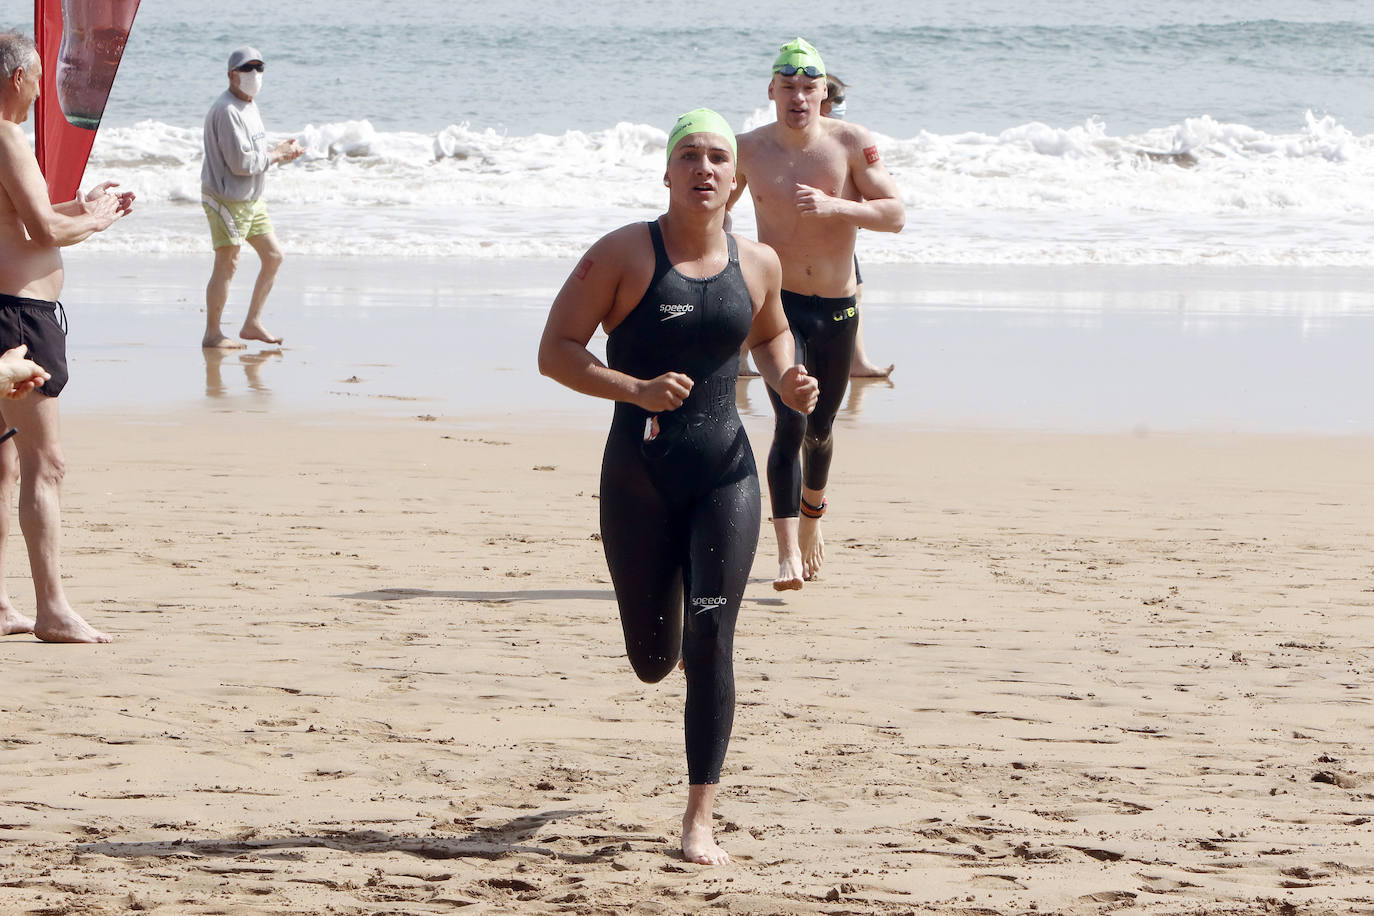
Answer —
(680, 504)
(816, 181)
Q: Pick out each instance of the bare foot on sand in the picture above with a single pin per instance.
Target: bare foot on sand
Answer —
(812, 547)
(67, 626)
(12, 622)
(699, 843)
(864, 369)
(218, 341)
(256, 331)
(789, 573)
(789, 555)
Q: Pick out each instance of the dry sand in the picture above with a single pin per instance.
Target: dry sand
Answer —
(376, 669)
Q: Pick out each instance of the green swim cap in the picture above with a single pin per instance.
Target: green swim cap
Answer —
(701, 121)
(799, 54)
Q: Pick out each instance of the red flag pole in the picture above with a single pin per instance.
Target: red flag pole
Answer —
(80, 43)
(41, 30)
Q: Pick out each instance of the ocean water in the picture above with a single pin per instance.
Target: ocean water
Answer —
(1237, 132)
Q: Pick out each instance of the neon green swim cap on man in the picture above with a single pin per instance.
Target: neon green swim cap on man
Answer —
(701, 121)
(799, 54)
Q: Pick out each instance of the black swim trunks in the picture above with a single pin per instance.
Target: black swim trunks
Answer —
(43, 326)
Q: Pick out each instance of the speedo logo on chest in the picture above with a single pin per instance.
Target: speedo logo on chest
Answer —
(670, 310)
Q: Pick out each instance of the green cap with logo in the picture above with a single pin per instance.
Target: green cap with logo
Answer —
(701, 121)
(799, 55)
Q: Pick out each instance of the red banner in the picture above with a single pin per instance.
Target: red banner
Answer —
(80, 43)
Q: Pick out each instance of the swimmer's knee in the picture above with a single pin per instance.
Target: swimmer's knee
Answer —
(707, 632)
(703, 626)
(817, 439)
(653, 669)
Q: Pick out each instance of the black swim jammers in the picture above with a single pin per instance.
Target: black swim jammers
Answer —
(823, 331)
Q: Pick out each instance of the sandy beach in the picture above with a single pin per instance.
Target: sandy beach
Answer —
(367, 657)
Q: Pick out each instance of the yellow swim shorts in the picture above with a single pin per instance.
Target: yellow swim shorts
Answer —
(232, 221)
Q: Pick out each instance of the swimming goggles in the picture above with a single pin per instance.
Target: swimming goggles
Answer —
(808, 70)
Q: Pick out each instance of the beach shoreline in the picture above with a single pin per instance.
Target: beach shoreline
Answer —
(1096, 348)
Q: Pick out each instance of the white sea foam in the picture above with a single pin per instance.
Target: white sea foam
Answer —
(1201, 191)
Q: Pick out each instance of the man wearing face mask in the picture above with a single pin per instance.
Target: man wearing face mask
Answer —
(232, 177)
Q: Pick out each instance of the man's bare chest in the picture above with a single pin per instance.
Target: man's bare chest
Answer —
(776, 181)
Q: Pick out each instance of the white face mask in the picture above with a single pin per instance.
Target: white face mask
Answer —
(837, 111)
(250, 83)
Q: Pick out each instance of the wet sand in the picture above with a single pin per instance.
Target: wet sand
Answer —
(1072, 349)
(368, 662)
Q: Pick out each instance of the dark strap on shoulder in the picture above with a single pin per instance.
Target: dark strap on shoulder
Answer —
(661, 263)
(732, 248)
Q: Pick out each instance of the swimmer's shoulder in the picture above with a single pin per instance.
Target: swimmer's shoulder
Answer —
(751, 249)
(855, 138)
(624, 243)
(751, 143)
(621, 256)
(757, 261)
(752, 137)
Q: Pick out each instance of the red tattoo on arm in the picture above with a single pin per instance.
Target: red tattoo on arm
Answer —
(584, 268)
(871, 154)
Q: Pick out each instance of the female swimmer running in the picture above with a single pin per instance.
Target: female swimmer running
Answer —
(680, 505)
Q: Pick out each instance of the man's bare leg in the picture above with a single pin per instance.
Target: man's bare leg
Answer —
(11, 621)
(40, 516)
(216, 295)
(698, 837)
(271, 255)
(812, 545)
(789, 555)
(859, 365)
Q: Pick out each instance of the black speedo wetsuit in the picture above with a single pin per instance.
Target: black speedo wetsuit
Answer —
(823, 332)
(680, 496)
